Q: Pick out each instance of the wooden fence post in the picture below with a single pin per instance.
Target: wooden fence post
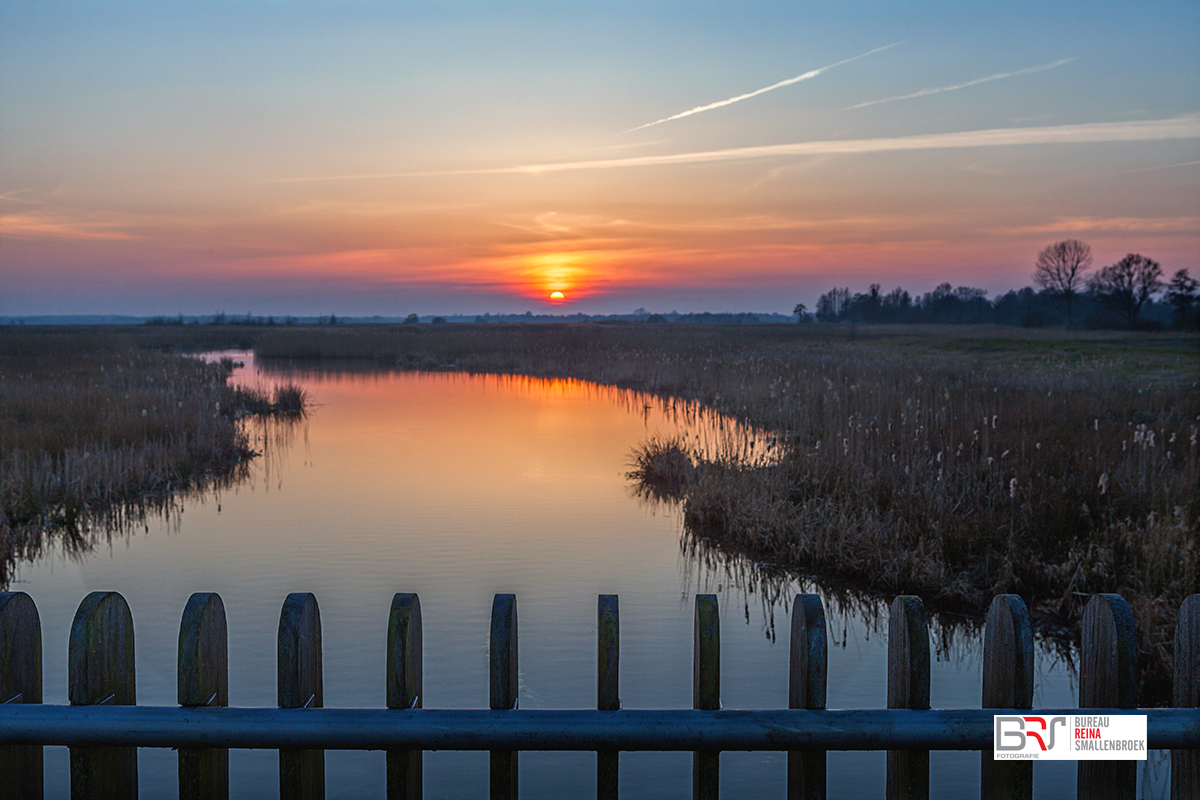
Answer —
(608, 689)
(100, 671)
(809, 666)
(405, 689)
(20, 682)
(1007, 683)
(1108, 678)
(503, 689)
(301, 772)
(706, 692)
(908, 687)
(203, 681)
(1185, 764)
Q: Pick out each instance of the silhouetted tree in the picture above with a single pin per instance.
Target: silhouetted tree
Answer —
(864, 307)
(411, 319)
(1126, 285)
(897, 305)
(1182, 294)
(801, 312)
(831, 306)
(1060, 269)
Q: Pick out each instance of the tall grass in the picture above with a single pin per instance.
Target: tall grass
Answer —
(96, 434)
(1048, 465)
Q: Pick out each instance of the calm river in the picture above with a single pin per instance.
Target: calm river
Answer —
(458, 487)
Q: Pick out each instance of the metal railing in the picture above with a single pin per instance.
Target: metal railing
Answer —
(103, 726)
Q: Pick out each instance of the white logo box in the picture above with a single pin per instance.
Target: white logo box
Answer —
(1070, 737)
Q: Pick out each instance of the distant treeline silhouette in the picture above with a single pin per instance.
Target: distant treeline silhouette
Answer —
(1121, 295)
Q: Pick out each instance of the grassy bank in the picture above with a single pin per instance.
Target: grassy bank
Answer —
(96, 432)
(954, 464)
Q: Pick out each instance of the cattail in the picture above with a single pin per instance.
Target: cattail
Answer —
(1104, 483)
(1012, 488)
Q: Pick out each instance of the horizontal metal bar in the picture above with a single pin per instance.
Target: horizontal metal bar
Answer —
(438, 729)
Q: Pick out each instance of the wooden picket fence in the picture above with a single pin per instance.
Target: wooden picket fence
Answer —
(103, 726)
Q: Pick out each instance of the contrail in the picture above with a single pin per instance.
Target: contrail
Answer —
(1185, 127)
(810, 74)
(975, 82)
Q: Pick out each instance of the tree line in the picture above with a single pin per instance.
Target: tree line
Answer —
(1120, 295)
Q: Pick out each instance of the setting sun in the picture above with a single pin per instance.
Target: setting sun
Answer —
(556, 296)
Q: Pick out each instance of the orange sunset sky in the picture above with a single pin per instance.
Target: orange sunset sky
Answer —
(461, 158)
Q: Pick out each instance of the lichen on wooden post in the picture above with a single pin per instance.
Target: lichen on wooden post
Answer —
(503, 686)
(706, 691)
(608, 689)
(405, 689)
(100, 671)
(1108, 678)
(20, 682)
(807, 679)
(203, 682)
(908, 687)
(300, 685)
(1007, 683)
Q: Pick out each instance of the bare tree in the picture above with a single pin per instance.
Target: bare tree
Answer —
(1181, 293)
(832, 305)
(1060, 267)
(1128, 284)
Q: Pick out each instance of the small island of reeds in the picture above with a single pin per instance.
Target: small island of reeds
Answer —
(101, 427)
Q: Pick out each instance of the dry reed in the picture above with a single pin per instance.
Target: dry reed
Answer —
(95, 435)
(1049, 465)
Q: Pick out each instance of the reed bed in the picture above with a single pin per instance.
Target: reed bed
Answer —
(96, 435)
(955, 467)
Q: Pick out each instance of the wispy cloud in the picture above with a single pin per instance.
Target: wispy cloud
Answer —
(976, 82)
(52, 225)
(1185, 127)
(1115, 225)
(1176, 165)
(722, 103)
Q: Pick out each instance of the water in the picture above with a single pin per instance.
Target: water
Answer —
(458, 487)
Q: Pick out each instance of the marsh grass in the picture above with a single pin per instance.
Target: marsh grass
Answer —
(951, 463)
(96, 436)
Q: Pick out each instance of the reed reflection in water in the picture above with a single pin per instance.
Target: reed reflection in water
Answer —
(457, 487)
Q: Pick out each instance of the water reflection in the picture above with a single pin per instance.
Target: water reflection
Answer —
(955, 637)
(457, 487)
(76, 537)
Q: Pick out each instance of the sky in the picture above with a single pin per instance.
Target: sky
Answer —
(471, 157)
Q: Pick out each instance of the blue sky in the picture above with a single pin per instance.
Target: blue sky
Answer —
(358, 158)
